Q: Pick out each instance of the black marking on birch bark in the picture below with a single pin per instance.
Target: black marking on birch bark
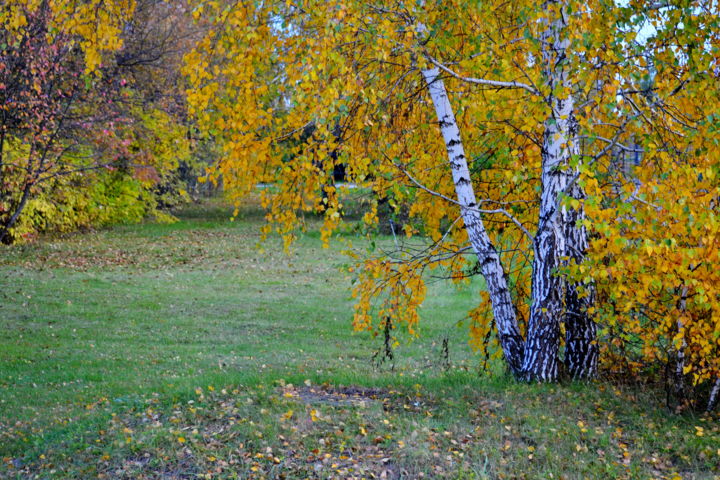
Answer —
(505, 304)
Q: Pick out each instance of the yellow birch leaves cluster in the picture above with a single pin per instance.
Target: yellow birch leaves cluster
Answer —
(655, 257)
(95, 24)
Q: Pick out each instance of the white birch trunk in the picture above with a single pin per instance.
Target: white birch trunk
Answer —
(714, 394)
(679, 380)
(581, 348)
(503, 310)
(541, 347)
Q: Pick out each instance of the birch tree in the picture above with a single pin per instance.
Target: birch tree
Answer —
(487, 120)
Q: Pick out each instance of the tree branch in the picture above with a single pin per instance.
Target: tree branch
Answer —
(483, 81)
(501, 211)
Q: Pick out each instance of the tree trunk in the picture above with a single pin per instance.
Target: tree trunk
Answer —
(490, 266)
(559, 235)
(714, 394)
(12, 220)
(541, 347)
(581, 348)
(679, 377)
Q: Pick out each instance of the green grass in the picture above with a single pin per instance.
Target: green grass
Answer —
(182, 351)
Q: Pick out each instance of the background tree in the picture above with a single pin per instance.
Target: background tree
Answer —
(94, 128)
(41, 72)
(155, 40)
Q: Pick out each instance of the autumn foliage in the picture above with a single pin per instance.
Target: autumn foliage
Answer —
(565, 151)
(294, 90)
(655, 255)
(81, 144)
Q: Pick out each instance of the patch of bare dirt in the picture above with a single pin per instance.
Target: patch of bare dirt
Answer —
(355, 396)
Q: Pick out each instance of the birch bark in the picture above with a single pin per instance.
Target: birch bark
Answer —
(541, 347)
(581, 348)
(490, 266)
(714, 394)
(559, 237)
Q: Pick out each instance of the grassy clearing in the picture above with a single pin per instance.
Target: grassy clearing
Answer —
(180, 351)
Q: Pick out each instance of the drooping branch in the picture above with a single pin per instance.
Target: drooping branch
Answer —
(500, 211)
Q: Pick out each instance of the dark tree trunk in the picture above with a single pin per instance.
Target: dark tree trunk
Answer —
(6, 226)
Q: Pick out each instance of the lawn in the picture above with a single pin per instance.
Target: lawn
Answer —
(186, 351)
